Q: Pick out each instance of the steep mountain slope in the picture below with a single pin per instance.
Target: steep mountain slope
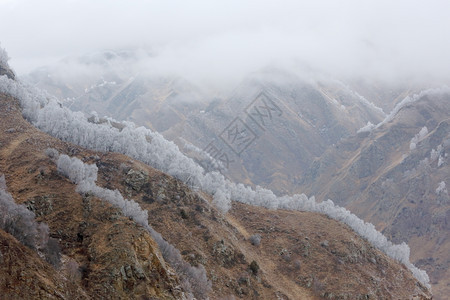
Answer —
(25, 275)
(285, 115)
(112, 83)
(281, 112)
(396, 177)
(119, 259)
(90, 232)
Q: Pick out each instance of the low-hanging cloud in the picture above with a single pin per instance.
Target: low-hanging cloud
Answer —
(217, 44)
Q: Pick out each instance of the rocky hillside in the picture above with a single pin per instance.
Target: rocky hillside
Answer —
(396, 177)
(25, 275)
(250, 253)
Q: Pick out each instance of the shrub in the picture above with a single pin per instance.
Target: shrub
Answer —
(255, 239)
(52, 252)
(183, 214)
(18, 221)
(52, 153)
(254, 267)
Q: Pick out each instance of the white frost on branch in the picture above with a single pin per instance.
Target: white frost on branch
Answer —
(369, 126)
(3, 57)
(437, 155)
(441, 161)
(408, 100)
(441, 188)
(362, 99)
(194, 279)
(411, 99)
(418, 138)
(203, 156)
(20, 222)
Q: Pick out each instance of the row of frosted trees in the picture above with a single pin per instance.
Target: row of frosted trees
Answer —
(46, 113)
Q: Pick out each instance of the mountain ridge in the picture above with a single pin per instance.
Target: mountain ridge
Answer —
(392, 174)
(23, 145)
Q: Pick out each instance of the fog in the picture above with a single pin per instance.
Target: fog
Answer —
(217, 44)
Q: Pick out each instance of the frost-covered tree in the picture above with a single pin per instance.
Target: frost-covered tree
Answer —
(367, 128)
(4, 67)
(441, 161)
(3, 57)
(255, 239)
(20, 222)
(441, 188)
(194, 279)
(418, 138)
(436, 155)
(17, 219)
(411, 99)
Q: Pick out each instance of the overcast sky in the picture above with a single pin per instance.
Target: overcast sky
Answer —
(212, 40)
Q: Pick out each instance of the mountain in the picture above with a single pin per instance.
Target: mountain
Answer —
(282, 113)
(112, 83)
(395, 177)
(250, 252)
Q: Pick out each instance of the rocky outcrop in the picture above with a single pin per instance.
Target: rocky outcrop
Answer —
(136, 180)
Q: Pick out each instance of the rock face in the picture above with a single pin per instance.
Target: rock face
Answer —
(136, 180)
(107, 256)
(393, 184)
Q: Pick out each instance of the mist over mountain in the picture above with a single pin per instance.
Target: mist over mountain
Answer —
(20, 100)
(299, 122)
(204, 130)
(309, 114)
(216, 46)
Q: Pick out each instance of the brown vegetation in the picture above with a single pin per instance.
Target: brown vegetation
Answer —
(300, 256)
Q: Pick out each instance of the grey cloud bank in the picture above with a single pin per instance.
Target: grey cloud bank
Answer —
(217, 43)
